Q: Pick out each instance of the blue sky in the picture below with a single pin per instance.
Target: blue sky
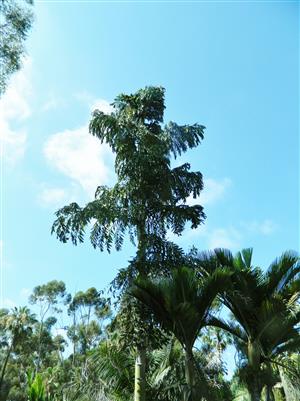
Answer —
(230, 66)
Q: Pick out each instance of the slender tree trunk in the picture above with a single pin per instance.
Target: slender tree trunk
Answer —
(139, 380)
(189, 376)
(140, 362)
(5, 365)
(254, 360)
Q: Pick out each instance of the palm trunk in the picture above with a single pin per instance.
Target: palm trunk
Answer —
(139, 380)
(254, 359)
(189, 376)
(5, 365)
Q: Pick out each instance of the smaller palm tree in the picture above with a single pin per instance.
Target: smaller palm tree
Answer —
(265, 311)
(182, 303)
(18, 325)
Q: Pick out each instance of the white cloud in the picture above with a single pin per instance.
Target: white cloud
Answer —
(213, 191)
(80, 156)
(93, 103)
(58, 196)
(102, 105)
(232, 237)
(25, 293)
(8, 303)
(224, 238)
(53, 103)
(14, 109)
(265, 227)
(52, 195)
(85, 97)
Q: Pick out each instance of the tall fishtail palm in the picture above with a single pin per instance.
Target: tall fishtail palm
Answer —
(149, 197)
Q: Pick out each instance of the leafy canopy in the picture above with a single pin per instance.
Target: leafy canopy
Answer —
(182, 302)
(265, 305)
(149, 196)
(15, 22)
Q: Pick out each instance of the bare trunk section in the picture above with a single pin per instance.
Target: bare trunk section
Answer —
(5, 365)
(189, 376)
(140, 362)
(139, 380)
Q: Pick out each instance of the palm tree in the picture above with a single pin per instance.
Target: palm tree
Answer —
(265, 311)
(18, 325)
(110, 373)
(182, 304)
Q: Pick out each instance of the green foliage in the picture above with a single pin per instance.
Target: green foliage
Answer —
(49, 294)
(36, 388)
(290, 376)
(182, 302)
(265, 310)
(88, 311)
(137, 326)
(106, 370)
(149, 195)
(16, 18)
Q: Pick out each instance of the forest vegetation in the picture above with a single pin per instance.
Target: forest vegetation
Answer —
(161, 330)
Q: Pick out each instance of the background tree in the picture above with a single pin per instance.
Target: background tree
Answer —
(16, 18)
(149, 197)
(47, 297)
(17, 326)
(88, 310)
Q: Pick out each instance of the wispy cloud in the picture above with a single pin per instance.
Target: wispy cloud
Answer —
(233, 236)
(92, 103)
(265, 227)
(53, 102)
(80, 156)
(214, 191)
(102, 105)
(14, 110)
(8, 303)
(52, 196)
(224, 238)
(25, 293)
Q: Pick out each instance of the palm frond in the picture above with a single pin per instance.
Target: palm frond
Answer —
(181, 302)
(282, 271)
(184, 137)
